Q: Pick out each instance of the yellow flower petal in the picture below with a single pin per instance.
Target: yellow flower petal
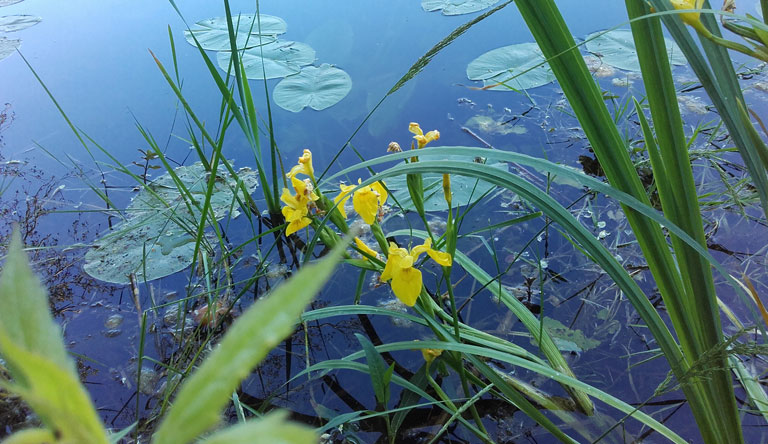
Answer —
(395, 257)
(406, 284)
(415, 129)
(303, 167)
(690, 18)
(366, 204)
(297, 225)
(342, 198)
(365, 248)
(430, 354)
(379, 188)
(440, 257)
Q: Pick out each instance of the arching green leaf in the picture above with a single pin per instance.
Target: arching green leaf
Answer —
(9, 2)
(213, 34)
(279, 59)
(617, 48)
(317, 88)
(10, 23)
(457, 7)
(502, 64)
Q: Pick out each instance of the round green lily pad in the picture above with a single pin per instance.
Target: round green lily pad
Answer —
(515, 66)
(213, 33)
(277, 59)
(617, 48)
(456, 7)
(315, 87)
(157, 238)
(10, 23)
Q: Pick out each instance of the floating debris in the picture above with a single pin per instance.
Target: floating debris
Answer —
(489, 125)
(114, 321)
(692, 104)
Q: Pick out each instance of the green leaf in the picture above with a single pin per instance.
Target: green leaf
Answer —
(31, 343)
(31, 436)
(277, 59)
(10, 23)
(213, 34)
(379, 372)
(466, 190)
(8, 46)
(201, 398)
(617, 48)
(272, 428)
(317, 88)
(457, 7)
(515, 65)
(25, 318)
(158, 236)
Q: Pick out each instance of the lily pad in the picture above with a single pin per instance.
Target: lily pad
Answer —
(277, 59)
(567, 339)
(9, 2)
(213, 33)
(466, 190)
(514, 65)
(155, 240)
(317, 88)
(8, 46)
(10, 23)
(457, 7)
(617, 48)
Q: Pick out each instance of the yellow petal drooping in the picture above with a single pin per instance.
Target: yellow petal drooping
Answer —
(690, 18)
(365, 248)
(366, 204)
(406, 284)
(415, 129)
(341, 200)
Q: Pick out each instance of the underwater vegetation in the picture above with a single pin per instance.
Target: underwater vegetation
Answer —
(430, 289)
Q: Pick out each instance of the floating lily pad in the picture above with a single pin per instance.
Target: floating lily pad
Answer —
(8, 46)
(213, 33)
(317, 88)
(155, 240)
(10, 23)
(457, 7)
(9, 2)
(617, 48)
(277, 59)
(514, 65)
(466, 190)
(567, 339)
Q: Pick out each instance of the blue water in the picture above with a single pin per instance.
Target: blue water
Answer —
(94, 58)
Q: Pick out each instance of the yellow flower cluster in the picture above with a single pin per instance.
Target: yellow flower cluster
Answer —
(296, 209)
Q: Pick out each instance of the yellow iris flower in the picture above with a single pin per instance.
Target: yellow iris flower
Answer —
(406, 280)
(366, 200)
(690, 18)
(421, 138)
(304, 166)
(430, 354)
(296, 207)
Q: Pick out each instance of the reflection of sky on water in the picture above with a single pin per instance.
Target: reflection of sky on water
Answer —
(93, 56)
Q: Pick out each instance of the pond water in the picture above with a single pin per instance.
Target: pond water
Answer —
(94, 59)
